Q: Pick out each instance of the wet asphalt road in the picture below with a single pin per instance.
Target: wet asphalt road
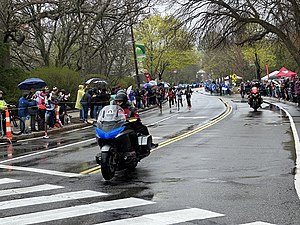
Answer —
(241, 167)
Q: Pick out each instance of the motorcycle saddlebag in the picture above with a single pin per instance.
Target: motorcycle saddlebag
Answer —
(145, 142)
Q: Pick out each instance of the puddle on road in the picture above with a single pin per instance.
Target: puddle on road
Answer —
(290, 147)
(182, 132)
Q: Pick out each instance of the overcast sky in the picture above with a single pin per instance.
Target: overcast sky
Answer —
(164, 9)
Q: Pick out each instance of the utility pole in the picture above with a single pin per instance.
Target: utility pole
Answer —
(135, 59)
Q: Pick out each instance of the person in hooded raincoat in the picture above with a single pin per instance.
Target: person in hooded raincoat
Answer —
(80, 94)
(3, 105)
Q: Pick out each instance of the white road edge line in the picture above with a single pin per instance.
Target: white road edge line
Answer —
(297, 147)
(49, 150)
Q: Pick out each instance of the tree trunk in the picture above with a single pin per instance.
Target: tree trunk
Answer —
(257, 66)
(4, 52)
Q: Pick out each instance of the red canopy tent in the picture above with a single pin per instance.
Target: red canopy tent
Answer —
(283, 72)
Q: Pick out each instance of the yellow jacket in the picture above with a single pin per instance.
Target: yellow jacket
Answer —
(2, 104)
(80, 93)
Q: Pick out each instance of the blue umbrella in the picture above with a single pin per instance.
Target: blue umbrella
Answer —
(32, 83)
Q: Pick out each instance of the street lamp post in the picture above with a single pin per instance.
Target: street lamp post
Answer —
(135, 58)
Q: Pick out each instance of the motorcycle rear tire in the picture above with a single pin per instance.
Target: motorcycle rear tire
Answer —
(108, 166)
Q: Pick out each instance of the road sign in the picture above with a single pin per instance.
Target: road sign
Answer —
(233, 77)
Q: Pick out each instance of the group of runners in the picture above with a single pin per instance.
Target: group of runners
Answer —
(175, 97)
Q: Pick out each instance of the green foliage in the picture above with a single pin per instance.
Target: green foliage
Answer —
(63, 78)
(125, 82)
(168, 46)
(9, 84)
(265, 52)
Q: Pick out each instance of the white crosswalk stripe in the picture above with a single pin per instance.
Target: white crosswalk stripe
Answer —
(8, 180)
(49, 199)
(160, 218)
(166, 218)
(32, 189)
(75, 211)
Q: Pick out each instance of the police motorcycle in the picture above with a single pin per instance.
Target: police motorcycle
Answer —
(120, 145)
(254, 98)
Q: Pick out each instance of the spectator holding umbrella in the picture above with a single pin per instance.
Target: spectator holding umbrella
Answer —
(23, 112)
(36, 83)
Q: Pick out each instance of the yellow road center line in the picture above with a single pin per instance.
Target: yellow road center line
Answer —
(96, 171)
(90, 170)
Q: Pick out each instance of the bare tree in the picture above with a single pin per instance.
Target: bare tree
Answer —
(71, 33)
(231, 20)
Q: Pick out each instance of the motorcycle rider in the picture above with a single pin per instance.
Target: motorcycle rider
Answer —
(255, 88)
(130, 111)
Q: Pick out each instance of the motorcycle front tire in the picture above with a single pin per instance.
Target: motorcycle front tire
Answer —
(108, 166)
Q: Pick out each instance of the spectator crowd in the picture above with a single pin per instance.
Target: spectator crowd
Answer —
(45, 109)
(287, 89)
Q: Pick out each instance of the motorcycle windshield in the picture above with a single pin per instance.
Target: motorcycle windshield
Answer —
(111, 113)
(110, 122)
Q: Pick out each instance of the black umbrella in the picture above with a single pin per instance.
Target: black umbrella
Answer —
(32, 83)
(96, 81)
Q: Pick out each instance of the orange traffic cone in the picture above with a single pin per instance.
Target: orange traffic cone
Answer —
(8, 127)
(58, 122)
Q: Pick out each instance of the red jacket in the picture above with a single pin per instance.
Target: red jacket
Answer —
(42, 103)
(131, 112)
